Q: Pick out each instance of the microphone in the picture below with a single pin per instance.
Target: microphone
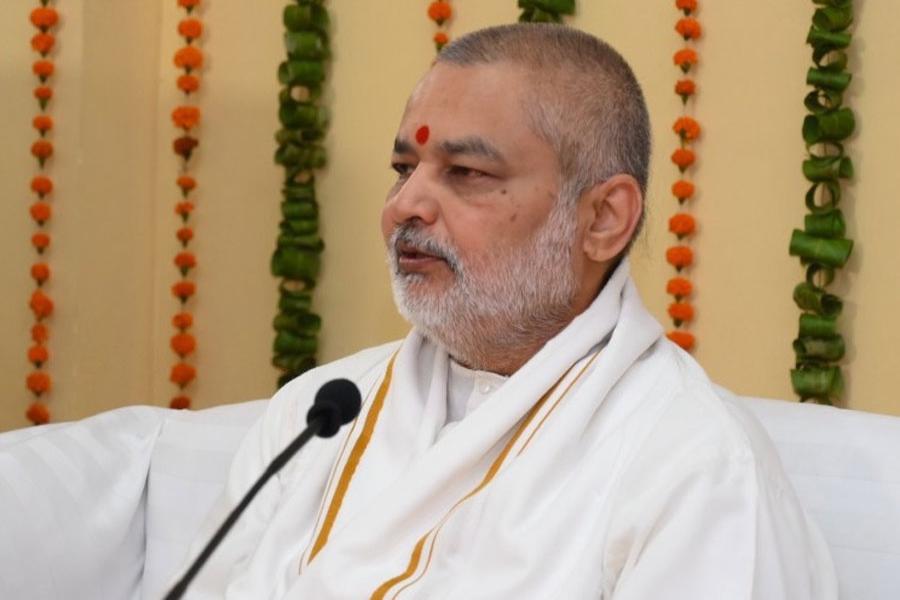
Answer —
(337, 403)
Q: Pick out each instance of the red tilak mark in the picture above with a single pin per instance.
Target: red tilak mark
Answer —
(422, 134)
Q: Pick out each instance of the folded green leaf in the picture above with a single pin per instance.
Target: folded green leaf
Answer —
(828, 80)
(817, 382)
(306, 45)
(832, 125)
(818, 38)
(817, 326)
(288, 343)
(820, 169)
(306, 16)
(819, 101)
(823, 196)
(833, 18)
(830, 252)
(296, 263)
(809, 297)
(827, 224)
(301, 72)
(819, 349)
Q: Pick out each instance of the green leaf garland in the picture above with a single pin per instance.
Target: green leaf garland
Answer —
(298, 246)
(821, 245)
(545, 11)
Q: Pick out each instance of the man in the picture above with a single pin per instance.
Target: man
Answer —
(534, 436)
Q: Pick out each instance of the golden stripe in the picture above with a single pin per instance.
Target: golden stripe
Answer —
(413, 565)
(353, 461)
(558, 400)
(330, 485)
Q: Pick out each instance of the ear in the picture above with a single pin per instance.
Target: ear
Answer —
(613, 210)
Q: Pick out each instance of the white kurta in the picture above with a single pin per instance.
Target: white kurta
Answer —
(606, 467)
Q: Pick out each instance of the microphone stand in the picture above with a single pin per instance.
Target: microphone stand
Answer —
(181, 586)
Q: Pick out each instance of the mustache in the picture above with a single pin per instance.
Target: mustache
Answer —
(413, 235)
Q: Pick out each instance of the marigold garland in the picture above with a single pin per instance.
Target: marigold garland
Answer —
(440, 12)
(186, 117)
(821, 245)
(39, 383)
(683, 225)
(300, 151)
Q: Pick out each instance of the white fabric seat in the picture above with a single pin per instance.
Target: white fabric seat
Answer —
(107, 507)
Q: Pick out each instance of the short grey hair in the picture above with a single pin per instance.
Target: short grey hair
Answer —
(587, 104)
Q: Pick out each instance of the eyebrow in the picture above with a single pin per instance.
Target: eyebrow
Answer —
(472, 145)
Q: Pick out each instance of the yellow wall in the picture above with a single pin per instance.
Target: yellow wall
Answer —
(114, 170)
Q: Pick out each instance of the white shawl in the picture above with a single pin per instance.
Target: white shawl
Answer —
(604, 468)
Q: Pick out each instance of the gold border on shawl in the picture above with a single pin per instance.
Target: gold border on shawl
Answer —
(329, 487)
(416, 555)
(359, 447)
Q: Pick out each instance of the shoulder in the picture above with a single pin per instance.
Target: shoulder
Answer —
(689, 425)
(286, 411)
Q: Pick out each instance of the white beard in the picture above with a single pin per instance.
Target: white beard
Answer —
(503, 300)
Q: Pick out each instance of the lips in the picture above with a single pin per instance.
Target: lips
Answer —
(413, 258)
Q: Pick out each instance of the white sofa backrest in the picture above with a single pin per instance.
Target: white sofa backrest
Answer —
(107, 507)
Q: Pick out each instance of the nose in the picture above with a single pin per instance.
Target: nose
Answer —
(413, 199)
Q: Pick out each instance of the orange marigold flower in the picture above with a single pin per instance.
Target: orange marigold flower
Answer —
(681, 311)
(38, 382)
(41, 185)
(186, 183)
(684, 158)
(42, 149)
(182, 374)
(682, 224)
(188, 83)
(679, 287)
(39, 333)
(685, 88)
(684, 58)
(439, 11)
(684, 339)
(184, 208)
(40, 272)
(190, 28)
(441, 39)
(42, 123)
(183, 343)
(42, 42)
(185, 261)
(679, 256)
(183, 320)
(682, 189)
(184, 235)
(40, 212)
(188, 3)
(180, 402)
(44, 17)
(186, 117)
(43, 92)
(687, 128)
(188, 58)
(41, 305)
(688, 28)
(38, 354)
(43, 68)
(686, 5)
(38, 413)
(184, 145)
(40, 241)
(184, 290)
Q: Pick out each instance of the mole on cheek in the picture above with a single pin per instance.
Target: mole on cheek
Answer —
(503, 192)
(513, 218)
(422, 134)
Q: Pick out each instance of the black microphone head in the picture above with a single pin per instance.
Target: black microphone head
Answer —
(337, 403)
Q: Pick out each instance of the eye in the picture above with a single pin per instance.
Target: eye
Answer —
(462, 172)
(403, 170)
